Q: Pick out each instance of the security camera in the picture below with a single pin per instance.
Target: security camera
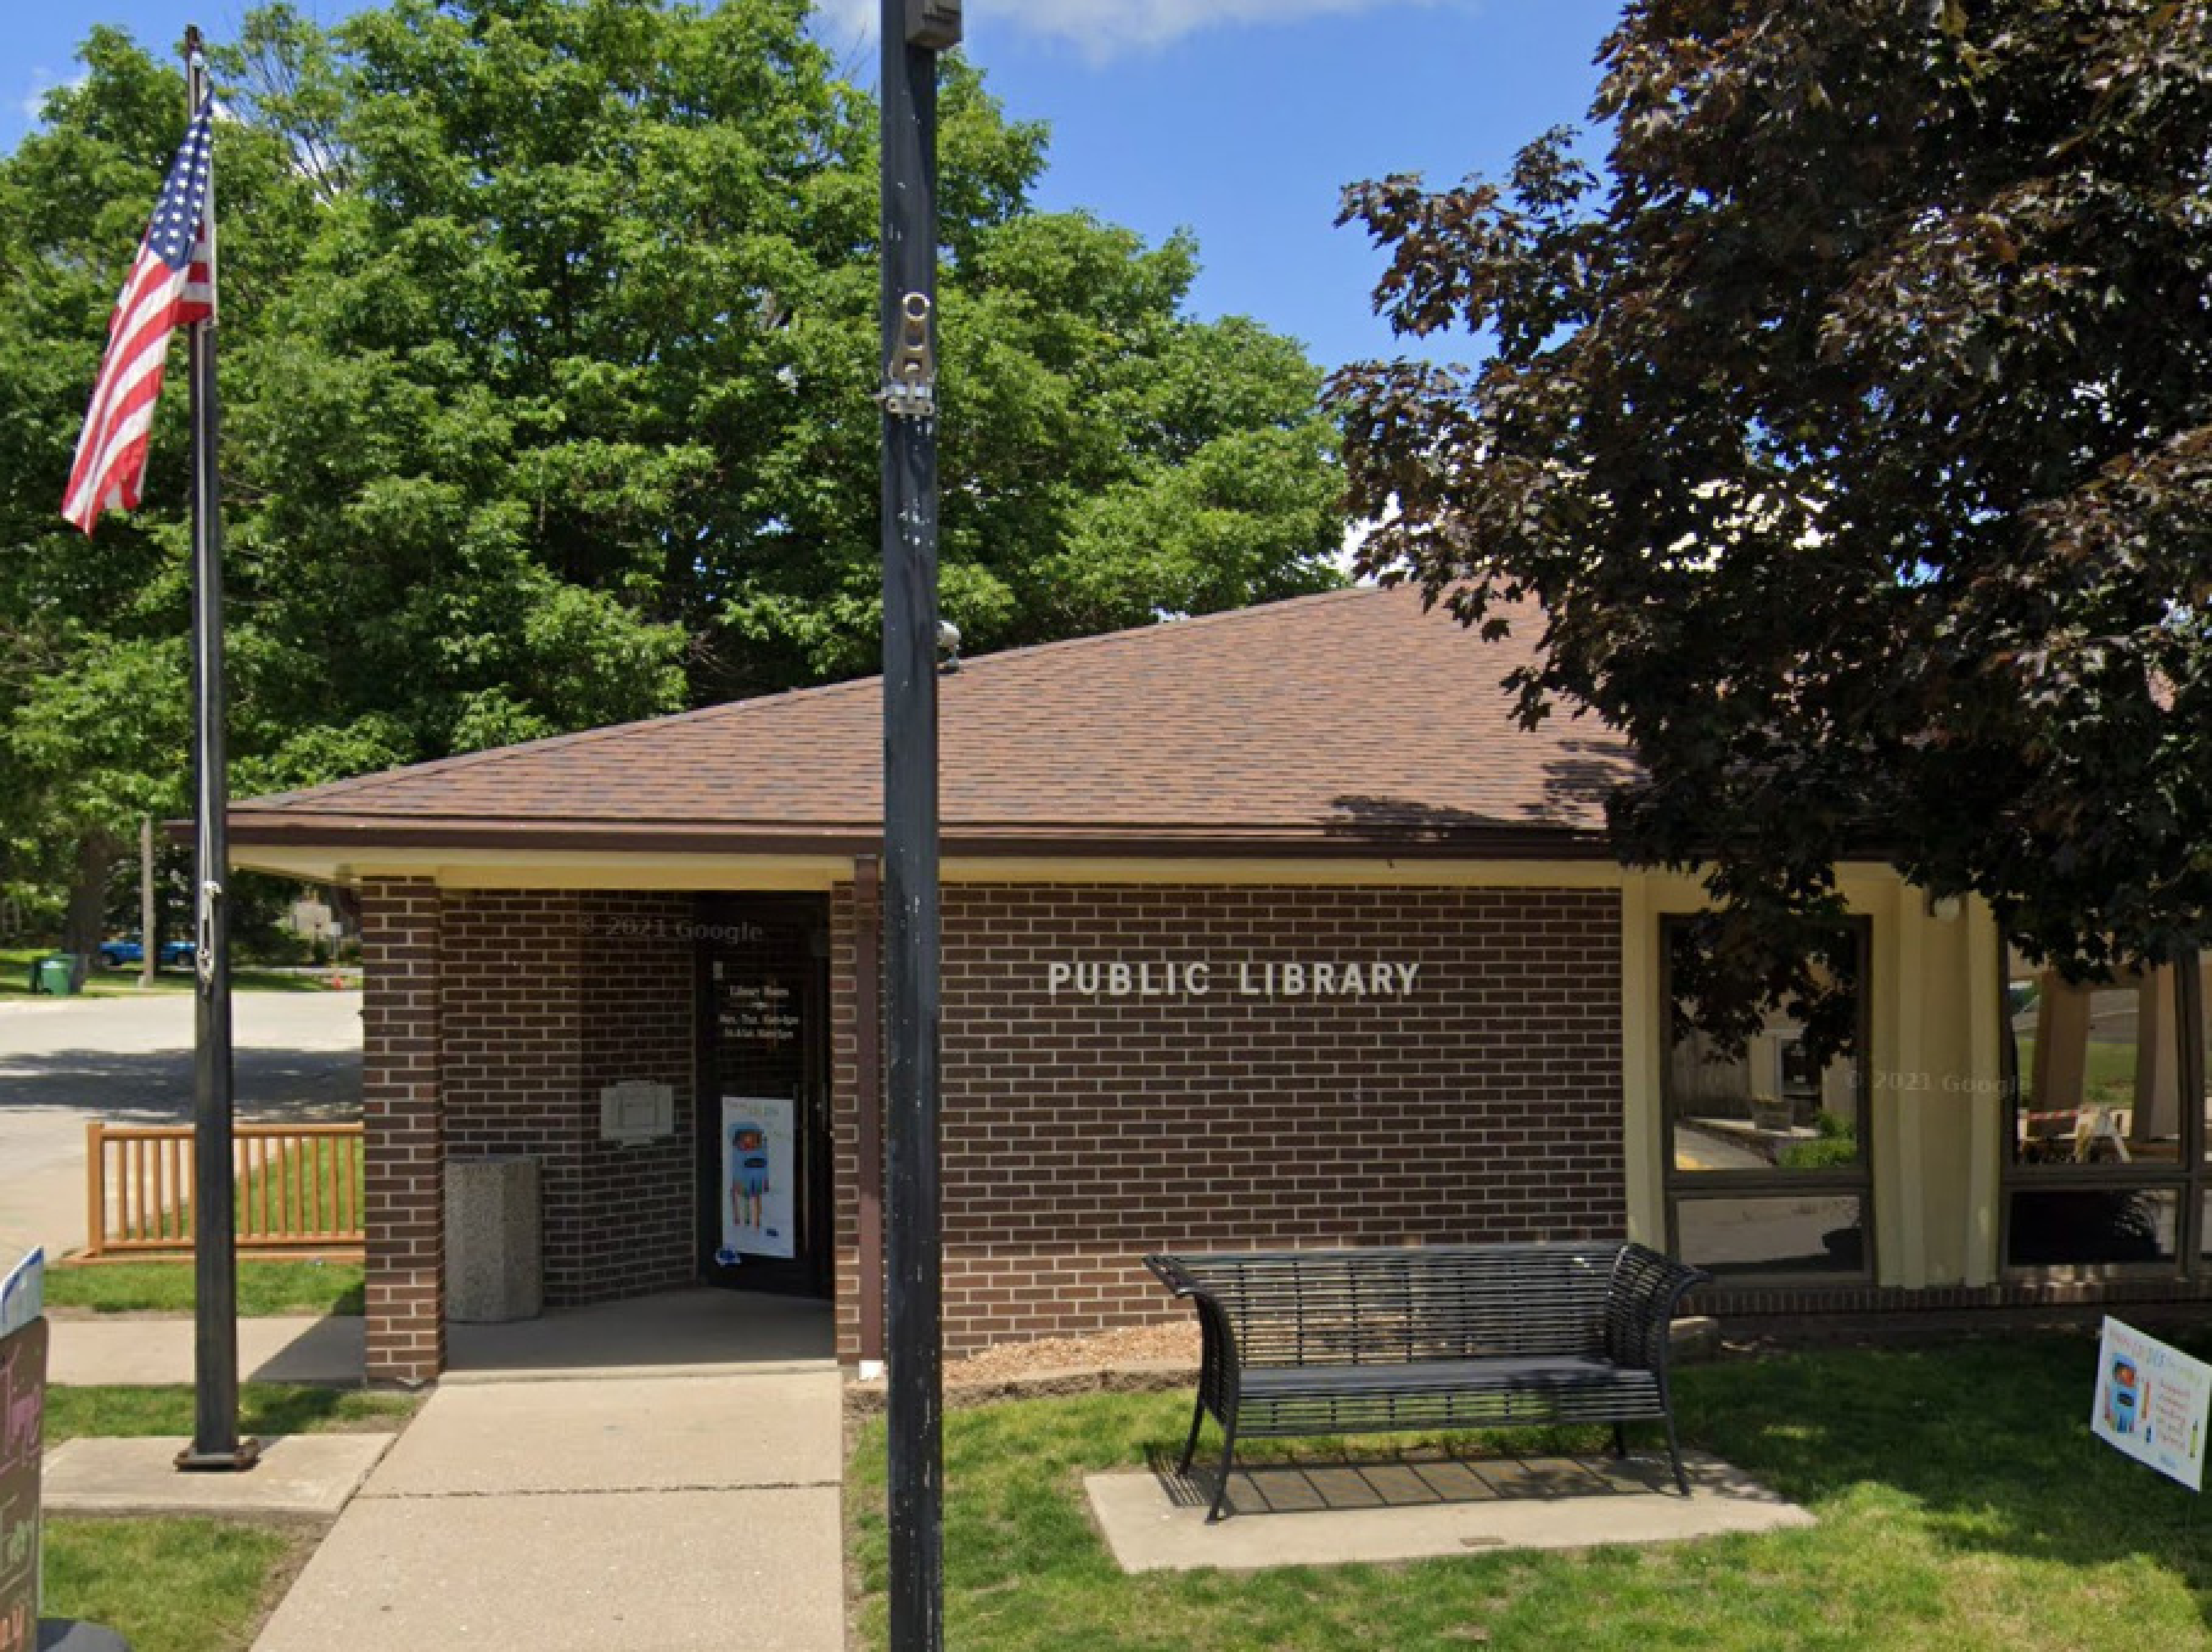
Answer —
(948, 646)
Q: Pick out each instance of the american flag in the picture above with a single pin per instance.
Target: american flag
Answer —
(171, 284)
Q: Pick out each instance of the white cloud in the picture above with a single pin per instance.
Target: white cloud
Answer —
(1103, 28)
(33, 102)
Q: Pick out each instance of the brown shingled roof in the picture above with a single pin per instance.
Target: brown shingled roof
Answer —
(1349, 721)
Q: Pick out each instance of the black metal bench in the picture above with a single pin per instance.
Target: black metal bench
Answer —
(1440, 1337)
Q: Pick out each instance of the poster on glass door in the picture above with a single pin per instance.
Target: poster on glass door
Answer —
(759, 1154)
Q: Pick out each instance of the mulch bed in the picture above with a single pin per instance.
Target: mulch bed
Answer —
(1135, 1359)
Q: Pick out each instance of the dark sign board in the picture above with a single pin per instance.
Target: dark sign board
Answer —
(22, 1415)
(758, 1015)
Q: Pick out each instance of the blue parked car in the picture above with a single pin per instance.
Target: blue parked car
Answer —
(116, 954)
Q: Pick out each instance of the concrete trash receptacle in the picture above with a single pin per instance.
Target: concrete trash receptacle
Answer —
(494, 1252)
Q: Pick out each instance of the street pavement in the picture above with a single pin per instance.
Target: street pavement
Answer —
(65, 1061)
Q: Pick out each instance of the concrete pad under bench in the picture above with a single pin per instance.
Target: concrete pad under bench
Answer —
(1324, 1512)
(298, 1474)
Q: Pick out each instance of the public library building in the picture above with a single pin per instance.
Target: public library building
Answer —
(1266, 929)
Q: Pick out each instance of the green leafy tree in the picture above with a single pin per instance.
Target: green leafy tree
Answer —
(549, 339)
(93, 710)
(1853, 425)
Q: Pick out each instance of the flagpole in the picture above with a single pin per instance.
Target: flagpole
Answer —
(216, 1443)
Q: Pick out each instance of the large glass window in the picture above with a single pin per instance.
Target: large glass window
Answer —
(2108, 1144)
(1767, 1169)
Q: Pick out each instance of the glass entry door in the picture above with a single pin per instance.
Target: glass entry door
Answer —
(764, 1093)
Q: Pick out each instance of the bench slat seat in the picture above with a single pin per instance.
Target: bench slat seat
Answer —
(1391, 1339)
(1446, 1376)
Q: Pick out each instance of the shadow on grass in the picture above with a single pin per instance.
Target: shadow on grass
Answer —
(290, 1410)
(264, 1409)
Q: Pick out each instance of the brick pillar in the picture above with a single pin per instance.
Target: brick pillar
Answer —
(402, 1112)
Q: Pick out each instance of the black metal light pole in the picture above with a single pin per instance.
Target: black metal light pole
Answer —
(216, 1444)
(914, 32)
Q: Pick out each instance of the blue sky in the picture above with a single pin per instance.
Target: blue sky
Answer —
(1239, 119)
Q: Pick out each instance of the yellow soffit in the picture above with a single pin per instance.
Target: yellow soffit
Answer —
(558, 869)
(516, 868)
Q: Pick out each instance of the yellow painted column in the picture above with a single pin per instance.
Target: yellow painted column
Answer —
(1904, 1188)
(1643, 1135)
(1877, 898)
(1986, 1000)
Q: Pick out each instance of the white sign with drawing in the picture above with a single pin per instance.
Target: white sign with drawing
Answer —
(2152, 1401)
(759, 1155)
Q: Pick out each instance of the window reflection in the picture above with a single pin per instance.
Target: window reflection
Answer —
(1774, 1108)
(2099, 1068)
(2204, 1059)
(1819, 1234)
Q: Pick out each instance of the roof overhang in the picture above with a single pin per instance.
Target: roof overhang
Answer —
(514, 854)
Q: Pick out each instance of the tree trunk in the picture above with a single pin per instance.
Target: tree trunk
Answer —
(84, 923)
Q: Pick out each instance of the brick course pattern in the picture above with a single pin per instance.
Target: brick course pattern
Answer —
(493, 1020)
(637, 1206)
(1081, 1131)
(404, 1151)
(548, 996)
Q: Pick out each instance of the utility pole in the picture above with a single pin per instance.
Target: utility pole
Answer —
(216, 1444)
(148, 942)
(914, 32)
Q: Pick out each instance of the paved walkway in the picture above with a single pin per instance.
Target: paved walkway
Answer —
(676, 1334)
(549, 1501)
(136, 1350)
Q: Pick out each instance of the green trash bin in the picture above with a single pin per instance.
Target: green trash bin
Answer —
(56, 973)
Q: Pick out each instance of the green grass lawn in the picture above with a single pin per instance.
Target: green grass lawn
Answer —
(2108, 1073)
(263, 1409)
(170, 1585)
(1962, 1504)
(179, 1585)
(15, 965)
(264, 1288)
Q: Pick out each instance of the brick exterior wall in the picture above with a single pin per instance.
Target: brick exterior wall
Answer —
(403, 1121)
(637, 1206)
(514, 1024)
(493, 1019)
(1080, 1133)
(845, 1119)
(549, 996)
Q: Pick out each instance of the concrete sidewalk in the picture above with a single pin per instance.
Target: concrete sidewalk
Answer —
(676, 1512)
(142, 1350)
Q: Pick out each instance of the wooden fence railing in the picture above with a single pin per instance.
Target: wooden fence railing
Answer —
(299, 1188)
